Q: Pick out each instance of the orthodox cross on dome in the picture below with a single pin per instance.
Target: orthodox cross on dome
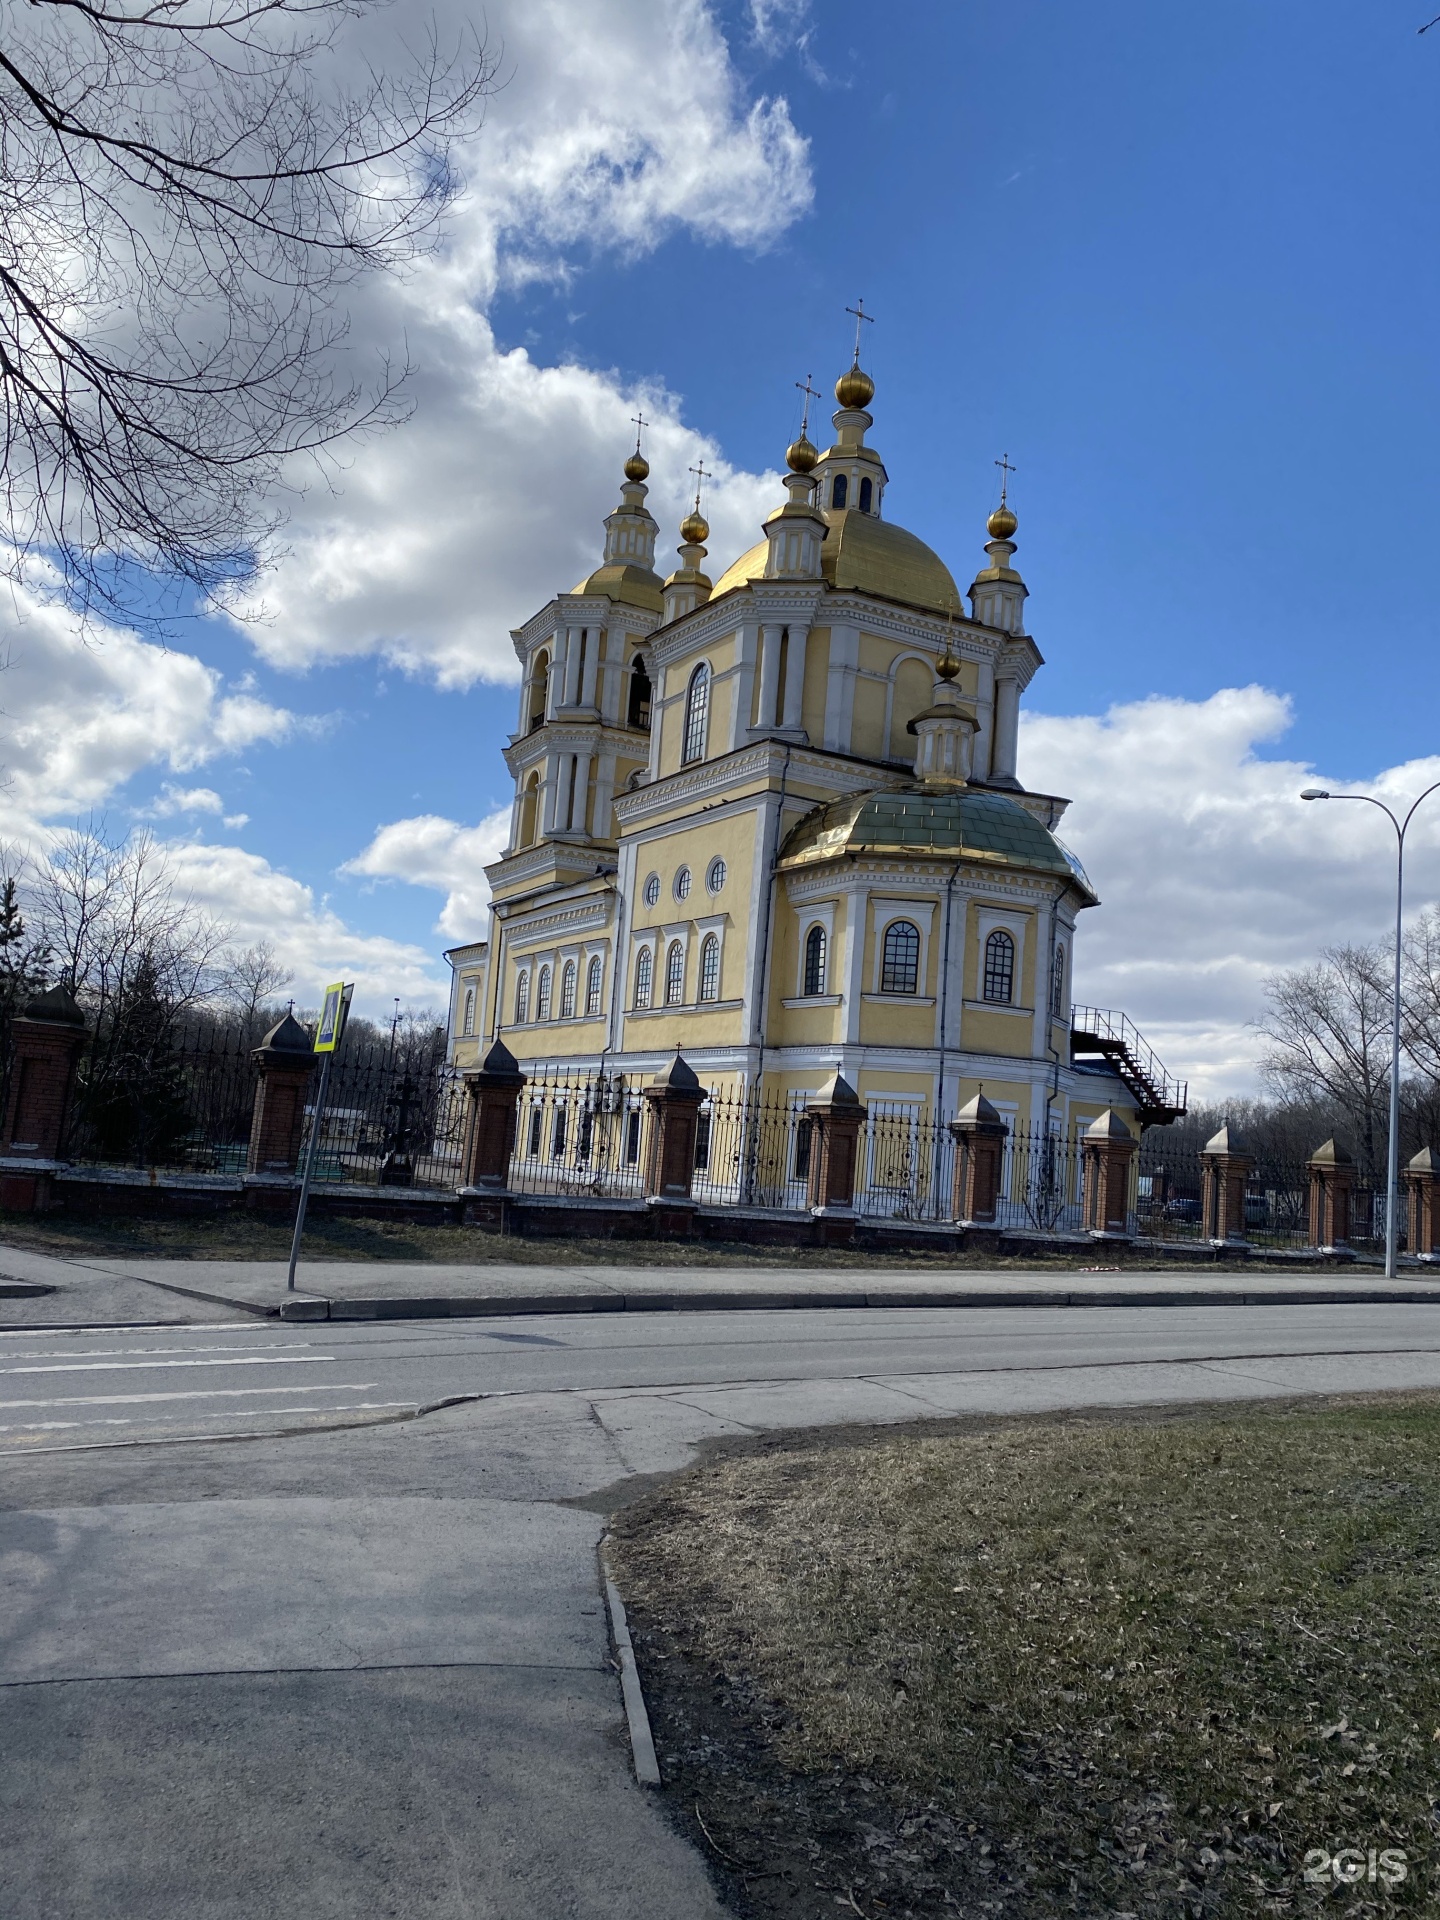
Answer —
(858, 310)
(701, 476)
(810, 394)
(1005, 472)
(639, 422)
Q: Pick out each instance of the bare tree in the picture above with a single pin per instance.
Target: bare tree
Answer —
(1327, 1030)
(252, 978)
(186, 187)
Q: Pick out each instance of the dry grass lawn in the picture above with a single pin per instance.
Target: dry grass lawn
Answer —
(1111, 1665)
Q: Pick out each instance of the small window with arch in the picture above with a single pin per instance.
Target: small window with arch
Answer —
(644, 978)
(675, 974)
(814, 976)
(867, 494)
(999, 984)
(522, 996)
(467, 1025)
(697, 715)
(900, 958)
(710, 968)
(638, 706)
(839, 492)
(594, 980)
(567, 991)
(651, 893)
(542, 995)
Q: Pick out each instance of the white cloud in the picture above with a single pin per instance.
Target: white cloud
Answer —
(616, 126)
(429, 851)
(259, 902)
(80, 714)
(175, 800)
(1212, 871)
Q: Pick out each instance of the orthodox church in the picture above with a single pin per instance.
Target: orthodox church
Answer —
(774, 820)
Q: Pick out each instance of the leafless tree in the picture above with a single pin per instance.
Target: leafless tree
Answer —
(253, 976)
(1327, 1034)
(186, 188)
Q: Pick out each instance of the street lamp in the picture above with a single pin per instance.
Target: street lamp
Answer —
(1392, 1158)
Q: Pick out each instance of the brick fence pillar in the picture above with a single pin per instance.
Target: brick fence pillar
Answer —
(1332, 1175)
(277, 1120)
(1224, 1171)
(46, 1039)
(1422, 1177)
(673, 1101)
(836, 1118)
(493, 1090)
(979, 1135)
(1109, 1154)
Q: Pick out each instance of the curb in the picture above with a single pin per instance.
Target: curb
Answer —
(642, 1742)
(502, 1306)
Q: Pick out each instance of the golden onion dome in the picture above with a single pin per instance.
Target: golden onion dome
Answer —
(637, 467)
(870, 555)
(949, 667)
(1002, 523)
(855, 388)
(801, 455)
(695, 529)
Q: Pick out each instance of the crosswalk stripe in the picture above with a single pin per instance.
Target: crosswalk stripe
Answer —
(215, 1393)
(146, 1366)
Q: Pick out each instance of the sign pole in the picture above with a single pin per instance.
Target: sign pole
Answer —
(327, 1040)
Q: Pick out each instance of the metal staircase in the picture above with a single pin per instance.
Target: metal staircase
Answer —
(1096, 1034)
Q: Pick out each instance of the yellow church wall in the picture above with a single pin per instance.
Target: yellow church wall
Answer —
(817, 683)
(914, 688)
(997, 1033)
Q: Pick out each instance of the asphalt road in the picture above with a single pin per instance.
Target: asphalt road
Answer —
(93, 1387)
(360, 1665)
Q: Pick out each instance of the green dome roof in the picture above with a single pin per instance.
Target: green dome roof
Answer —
(965, 822)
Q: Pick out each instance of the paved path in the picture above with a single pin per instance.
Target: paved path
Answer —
(364, 1668)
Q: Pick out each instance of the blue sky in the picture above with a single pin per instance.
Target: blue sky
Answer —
(1179, 263)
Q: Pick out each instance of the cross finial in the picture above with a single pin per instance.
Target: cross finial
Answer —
(639, 422)
(701, 476)
(810, 394)
(860, 315)
(1005, 472)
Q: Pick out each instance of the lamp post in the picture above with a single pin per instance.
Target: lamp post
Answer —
(1392, 1158)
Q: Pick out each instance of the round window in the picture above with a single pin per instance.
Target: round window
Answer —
(715, 878)
(652, 889)
(682, 884)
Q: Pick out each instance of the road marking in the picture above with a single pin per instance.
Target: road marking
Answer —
(141, 1399)
(228, 1413)
(109, 1353)
(148, 1366)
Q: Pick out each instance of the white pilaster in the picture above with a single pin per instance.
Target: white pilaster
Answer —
(796, 649)
(1007, 728)
(594, 640)
(580, 794)
(747, 645)
(572, 666)
(769, 676)
(840, 687)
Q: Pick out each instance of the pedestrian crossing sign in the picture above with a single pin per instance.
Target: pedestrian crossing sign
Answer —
(332, 1017)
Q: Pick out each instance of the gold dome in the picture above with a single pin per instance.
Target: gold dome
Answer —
(695, 529)
(855, 388)
(637, 467)
(802, 454)
(870, 555)
(949, 667)
(1002, 523)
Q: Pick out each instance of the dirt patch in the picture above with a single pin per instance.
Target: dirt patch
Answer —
(1095, 1666)
(243, 1236)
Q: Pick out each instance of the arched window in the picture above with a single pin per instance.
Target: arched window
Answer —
(638, 710)
(522, 997)
(697, 714)
(839, 491)
(530, 812)
(567, 991)
(467, 1024)
(900, 958)
(644, 977)
(539, 689)
(815, 960)
(710, 968)
(674, 974)
(867, 495)
(999, 966)
(542, 996)
(1057, 982)
(594, 974)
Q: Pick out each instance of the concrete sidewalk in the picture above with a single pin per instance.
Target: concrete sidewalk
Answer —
(356, 1290)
